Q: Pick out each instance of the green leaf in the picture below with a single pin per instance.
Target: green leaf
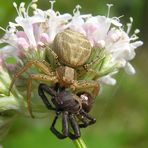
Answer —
(11, 60)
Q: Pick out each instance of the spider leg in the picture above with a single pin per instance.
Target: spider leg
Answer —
(39, 64)
(84, 120)
(82, 84)
(93, 120)
(87, 67)
(75, 128)
(65, 124)
(40, 77)
(57, 87)
(53, 129)
(54, 55)
(84, 123)
(46, 88)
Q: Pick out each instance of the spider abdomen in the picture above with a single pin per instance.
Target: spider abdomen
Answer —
(72, 48)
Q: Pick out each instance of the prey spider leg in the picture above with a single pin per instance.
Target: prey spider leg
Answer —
(47, 89)
(75, 128)
(84, 118)
(92, 120)
(41, 89)
(53, 129)
(40, 77)
(84, 123)
(65, 124)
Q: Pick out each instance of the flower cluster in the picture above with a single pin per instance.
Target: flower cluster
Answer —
(29, 33)
(27, 37)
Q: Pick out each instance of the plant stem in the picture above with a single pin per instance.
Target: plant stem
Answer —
(79, 143)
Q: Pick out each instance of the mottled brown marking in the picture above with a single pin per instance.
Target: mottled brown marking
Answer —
(72, 48)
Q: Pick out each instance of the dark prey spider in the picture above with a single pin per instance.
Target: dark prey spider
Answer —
(74, 109)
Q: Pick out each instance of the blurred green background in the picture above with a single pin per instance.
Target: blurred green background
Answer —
(121, 110)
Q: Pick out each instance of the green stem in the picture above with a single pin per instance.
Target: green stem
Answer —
(79, 143)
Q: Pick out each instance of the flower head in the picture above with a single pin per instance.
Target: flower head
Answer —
(103, 32)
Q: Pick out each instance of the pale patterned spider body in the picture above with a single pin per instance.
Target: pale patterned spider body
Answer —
(72, 50)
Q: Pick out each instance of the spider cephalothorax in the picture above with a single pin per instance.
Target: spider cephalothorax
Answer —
(72, 108)
(70, 50)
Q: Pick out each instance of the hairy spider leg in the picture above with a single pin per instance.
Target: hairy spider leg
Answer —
(51, 90)
(40, 77)
(46, 88)
(65, 124)
(87, 67)
(55, 87)
(54, 55)
(84, 119)
(47, 64)
(93, 120)
(97, 59)
(83, 84)
(39, 64)
(43, 87)
(75, 128)
(54, 130)
(65, 116)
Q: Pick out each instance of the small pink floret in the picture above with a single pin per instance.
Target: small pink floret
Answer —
(22, 43)
(44, 38)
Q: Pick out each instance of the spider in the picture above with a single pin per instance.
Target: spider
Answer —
(73, 107)
(70, 50)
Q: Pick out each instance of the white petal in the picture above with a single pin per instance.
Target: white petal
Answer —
(136, 44)
(8, 51)
(115, 22)
(97, 27)
(65, 16)
(121, 63)
(107, 80)
(26, 24)
(100, 44)
(129, 69)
